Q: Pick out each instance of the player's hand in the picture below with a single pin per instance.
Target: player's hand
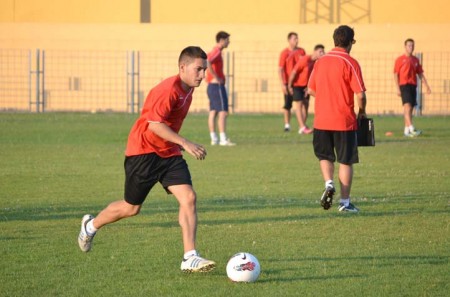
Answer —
(428, 90)
(284, 89)
(196, 150)
(291, 90)
(362, 115)
(398, 93)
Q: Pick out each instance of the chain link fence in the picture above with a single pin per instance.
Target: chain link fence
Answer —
(119, 81)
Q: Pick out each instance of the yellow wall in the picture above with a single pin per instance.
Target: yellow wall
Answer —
(215, 11)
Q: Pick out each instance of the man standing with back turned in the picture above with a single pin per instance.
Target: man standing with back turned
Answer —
(153, 154)
(334, 81)
(406, 69)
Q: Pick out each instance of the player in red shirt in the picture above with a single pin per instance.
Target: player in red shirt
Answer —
(153, 155)
(217, 94)
(298, 83)
(406, 69)
(334, 81)
(286, 62)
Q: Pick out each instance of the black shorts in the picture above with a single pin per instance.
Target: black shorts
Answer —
(409, 94)
(142, 172)
(299, 94)
(344, 143)
(218, 98)
(288, 101)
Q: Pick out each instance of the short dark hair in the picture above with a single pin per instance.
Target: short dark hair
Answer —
(292, 34)
(319, 46)
(343, 36)
(222, 35)
(409, 40)
(190, 53)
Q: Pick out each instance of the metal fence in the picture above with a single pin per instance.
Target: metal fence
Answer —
(119, 81)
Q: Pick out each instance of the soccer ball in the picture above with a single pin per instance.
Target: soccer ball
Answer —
(243, 267)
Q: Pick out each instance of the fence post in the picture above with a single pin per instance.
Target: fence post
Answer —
(43, 101)
(230, 80)
(30, 75)
(419, 97)
(38, 93)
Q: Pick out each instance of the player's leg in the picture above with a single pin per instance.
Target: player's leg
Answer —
(347, 155)
(287, 112)
(139, 179)
(409, 94)
(177, 181)
(212, 91)
(324, 151)
(298, 97)
(223, 115)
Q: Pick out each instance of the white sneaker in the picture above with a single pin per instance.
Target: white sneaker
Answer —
(197, 264)
(226, 142)
(85, 240)
(214, 142)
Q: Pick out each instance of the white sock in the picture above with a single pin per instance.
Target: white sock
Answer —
(329, 183)
(287, 126)
(411, 128)
(406, 130)
(223, 136)
(213, 136)
(90, 229)
(190, 253)
(346, 201)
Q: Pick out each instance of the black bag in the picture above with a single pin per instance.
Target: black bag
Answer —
(366, 132)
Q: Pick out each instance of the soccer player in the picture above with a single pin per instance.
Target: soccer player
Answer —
(406, 69)
(217, 94)
(286, 63)
(298, 81)
(153, 154)
(334, 81)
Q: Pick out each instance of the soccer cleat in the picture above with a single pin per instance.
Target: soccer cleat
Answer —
(287, 129)
(305, 130)
(349, 208)
(226, 142)
(416, 132)
(196, 263)
(84, 239)
(327, 197)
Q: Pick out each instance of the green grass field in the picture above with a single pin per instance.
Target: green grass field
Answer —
(261, 196)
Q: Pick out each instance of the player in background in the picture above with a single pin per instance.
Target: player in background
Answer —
(406, 69)
(334, 81)
(286, 63)
(153, 154)
(217, 94)
(298, 84)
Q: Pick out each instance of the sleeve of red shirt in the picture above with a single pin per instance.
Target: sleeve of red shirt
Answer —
(282, 60)
(213, 55)
(419, 69)
(356, 81)
(397, 65)
(160, 105)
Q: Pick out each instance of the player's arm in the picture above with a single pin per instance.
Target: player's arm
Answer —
(397, 85)
(362, 101)
(165, 132)
(291, 80)
(281, 75)
(424, 80)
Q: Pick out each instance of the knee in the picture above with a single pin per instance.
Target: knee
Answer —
(132, 210)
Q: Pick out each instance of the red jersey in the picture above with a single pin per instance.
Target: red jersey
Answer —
(287, 61)
(407, 68)
(216, 61)
(335, 78)
(166, 103)
(303, 69)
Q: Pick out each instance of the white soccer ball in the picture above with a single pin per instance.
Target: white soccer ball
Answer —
(243, 267)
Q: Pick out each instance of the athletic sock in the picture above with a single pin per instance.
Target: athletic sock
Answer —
(329, 183)
(406, 130)
(411, 128)
(287, 126)
(213, 136)
(223, 137)
(90, 229)
(346, 201)
(190, 253)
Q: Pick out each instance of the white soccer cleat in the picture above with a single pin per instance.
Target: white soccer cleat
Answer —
(84, 239)
(227, 142)
(197, 264)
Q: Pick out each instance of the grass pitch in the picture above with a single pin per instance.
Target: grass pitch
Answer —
(261, 196)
